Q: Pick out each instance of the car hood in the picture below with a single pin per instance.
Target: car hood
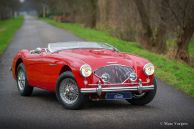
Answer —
(101, 57)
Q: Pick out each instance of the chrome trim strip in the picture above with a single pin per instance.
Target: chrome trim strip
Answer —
(113, 89)
(52, 64)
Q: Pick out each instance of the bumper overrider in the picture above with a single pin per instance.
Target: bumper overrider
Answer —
(116, 88)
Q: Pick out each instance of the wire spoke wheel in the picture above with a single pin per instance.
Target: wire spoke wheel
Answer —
(68, 91)
(21, 79)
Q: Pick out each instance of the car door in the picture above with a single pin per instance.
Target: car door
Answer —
(51, 67)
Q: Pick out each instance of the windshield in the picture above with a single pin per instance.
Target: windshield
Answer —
(55, 47)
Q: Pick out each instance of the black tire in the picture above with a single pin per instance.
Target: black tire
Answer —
(146, 98)
(25, 89)
(78, 103)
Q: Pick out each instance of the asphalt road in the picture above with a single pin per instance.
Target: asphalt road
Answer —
(42, 110)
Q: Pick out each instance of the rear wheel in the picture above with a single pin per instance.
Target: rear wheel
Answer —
(22, 83)
(68, 92)
(144, 98)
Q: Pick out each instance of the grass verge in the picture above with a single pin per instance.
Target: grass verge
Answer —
(191, 47)
(177, 74)
(7, 31)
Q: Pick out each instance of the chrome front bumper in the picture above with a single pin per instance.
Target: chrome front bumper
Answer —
(114, 89)
(99, 90)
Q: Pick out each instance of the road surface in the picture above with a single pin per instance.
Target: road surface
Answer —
(42, 110)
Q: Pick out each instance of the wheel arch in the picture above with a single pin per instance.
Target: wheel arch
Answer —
(19, 60)
(75, 71)
(64, 69)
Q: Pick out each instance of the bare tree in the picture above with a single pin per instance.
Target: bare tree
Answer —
(159, 42)
(146, 34)
(148, 37)
(182, 13)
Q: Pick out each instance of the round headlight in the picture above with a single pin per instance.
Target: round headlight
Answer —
(85, 70)
(149, 69)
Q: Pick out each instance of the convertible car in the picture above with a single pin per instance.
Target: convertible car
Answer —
(79, 71)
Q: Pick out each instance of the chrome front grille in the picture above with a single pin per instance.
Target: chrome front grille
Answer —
(115, 73)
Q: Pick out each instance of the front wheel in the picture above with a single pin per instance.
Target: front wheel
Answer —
(144, 98)
(68, 92)
(22, 82)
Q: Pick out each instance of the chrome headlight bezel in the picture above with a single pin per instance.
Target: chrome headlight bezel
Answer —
(85, 70)
(133, 76)
(149, 69)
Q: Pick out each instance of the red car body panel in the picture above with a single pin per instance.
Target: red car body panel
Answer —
(44, 69)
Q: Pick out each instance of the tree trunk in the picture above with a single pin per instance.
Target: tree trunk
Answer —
(94, 13)
(146, 36)
(183, 43)
(159, 43)
(43, 11)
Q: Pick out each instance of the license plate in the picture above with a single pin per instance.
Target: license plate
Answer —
(118, 95)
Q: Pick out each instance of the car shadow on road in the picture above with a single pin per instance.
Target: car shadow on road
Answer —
(44, 95)
(113, 104)
(51, 98)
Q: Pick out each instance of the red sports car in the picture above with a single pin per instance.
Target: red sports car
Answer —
(78, 71)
